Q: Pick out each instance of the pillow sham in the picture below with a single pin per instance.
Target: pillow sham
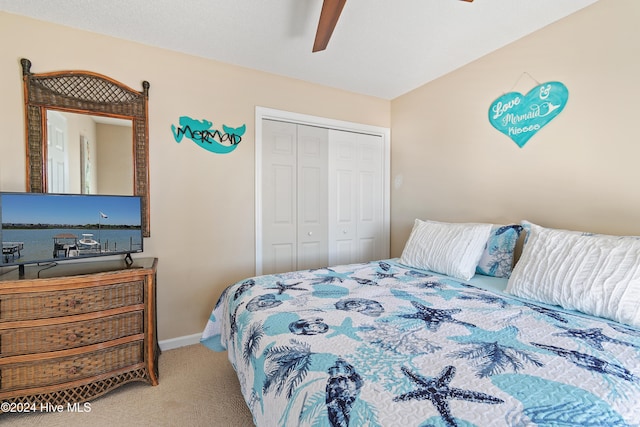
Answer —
(447, 248)
(595, 274)
(497, 258)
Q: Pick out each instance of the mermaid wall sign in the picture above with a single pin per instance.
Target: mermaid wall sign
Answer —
(522, 116)
(201, 132)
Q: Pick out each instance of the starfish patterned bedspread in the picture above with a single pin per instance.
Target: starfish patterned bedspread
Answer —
(382, 344)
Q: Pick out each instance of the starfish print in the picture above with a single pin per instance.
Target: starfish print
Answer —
(347, 329)
(593, 337)
(429, 284)
(434, 317)
(332, 277)
(283, 287)
(438, 392)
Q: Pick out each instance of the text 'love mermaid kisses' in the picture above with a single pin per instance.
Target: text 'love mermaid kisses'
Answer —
(535, 110)
(520, 117)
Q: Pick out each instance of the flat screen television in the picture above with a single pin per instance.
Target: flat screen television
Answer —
(45, 228)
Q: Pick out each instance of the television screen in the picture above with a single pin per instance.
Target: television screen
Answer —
(39, 227)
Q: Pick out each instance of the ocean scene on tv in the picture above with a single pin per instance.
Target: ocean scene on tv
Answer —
(49, 227)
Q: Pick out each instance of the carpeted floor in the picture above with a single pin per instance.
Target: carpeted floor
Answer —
(198, 387)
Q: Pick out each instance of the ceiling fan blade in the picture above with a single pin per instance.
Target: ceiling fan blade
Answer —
(329, 15)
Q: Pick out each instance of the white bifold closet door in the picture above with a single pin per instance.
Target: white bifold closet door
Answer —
(294, 194)
(356, 191)
(322, 197)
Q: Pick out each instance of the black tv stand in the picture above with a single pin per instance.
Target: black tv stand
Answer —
(128, 260)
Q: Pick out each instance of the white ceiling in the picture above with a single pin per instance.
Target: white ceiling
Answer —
(382, 48)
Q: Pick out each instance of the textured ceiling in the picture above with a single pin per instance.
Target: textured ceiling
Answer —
(382, 48)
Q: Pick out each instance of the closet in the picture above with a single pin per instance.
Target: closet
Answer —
(322, 194)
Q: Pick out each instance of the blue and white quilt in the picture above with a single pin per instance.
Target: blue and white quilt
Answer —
(382, 344)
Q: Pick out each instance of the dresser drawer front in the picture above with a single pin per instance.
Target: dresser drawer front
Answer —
(69, 335)
(39, 305)
(57, 371)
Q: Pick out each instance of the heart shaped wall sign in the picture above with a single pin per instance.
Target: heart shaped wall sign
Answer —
(522, 116)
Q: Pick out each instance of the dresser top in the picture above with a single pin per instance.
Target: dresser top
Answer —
(66, 269)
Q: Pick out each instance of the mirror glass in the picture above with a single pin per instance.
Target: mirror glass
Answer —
(86, 133)
(89, 154)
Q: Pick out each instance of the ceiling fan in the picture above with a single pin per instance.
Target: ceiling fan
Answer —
(331, 10)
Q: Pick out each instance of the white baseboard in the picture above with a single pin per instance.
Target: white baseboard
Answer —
(182, 341)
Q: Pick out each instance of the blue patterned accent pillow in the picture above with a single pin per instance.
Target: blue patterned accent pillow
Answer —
(497, 258)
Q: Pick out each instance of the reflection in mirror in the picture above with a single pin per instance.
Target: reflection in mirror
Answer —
(91, 94)
(88, 154)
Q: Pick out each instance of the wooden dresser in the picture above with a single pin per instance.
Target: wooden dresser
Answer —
(75, 331)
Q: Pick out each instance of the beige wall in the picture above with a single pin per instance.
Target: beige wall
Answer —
(202, 210)
(581, 171)
(115, 162)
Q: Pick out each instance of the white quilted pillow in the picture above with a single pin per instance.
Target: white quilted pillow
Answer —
(453, 249)
(594, 274)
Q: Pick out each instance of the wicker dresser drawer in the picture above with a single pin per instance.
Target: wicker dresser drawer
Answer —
(72, 333)
(40, 305)
(69, 335)
(47, 372)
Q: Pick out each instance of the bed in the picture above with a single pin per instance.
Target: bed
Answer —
(446, 335)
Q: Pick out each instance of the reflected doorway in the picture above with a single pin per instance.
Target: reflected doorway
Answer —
(57, 153)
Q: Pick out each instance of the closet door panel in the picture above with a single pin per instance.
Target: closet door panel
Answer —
(367, 249)
(342, 197)
(312, 190)
(279, 193)
(356, 174)
(282, 258)
(370, 198)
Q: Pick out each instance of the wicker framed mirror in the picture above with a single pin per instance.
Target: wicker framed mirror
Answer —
(88, 93)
